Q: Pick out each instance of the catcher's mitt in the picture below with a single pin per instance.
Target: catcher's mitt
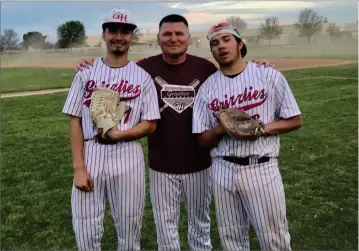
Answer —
(106, 109)
(240, 125)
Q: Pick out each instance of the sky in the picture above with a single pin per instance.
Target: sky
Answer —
(45, 17)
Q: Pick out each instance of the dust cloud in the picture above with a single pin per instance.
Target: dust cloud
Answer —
(298, 54)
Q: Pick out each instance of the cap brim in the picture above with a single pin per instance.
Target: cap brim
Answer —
(211, 35)
(130, 26)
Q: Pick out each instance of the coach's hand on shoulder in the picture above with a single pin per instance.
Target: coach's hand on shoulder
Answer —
(264, 62)
(84, 63)
(83, 180)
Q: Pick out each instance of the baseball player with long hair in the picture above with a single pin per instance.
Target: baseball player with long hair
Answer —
(178, 166)
(247, 184)
(111, 169)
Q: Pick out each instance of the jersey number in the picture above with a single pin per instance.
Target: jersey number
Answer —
(127, 115)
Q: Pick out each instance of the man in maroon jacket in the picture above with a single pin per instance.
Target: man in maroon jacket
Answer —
(178, 166)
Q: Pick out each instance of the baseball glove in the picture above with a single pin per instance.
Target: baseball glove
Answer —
(106, 109)
(240, 125)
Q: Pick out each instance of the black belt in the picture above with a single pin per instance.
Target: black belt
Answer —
(245, 161)
(102, 141)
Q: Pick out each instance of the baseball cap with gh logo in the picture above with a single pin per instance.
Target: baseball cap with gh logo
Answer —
(119, 16)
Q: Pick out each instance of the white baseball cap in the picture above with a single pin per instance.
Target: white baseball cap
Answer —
(222, 27)
(119, 16)
(225, 27)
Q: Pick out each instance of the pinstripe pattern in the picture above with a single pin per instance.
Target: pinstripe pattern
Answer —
(88, 208)
(119, 177)
(118, 171)
(253, 194)
(278, 101)
(130, 81)
(247, 194)
(166, 191)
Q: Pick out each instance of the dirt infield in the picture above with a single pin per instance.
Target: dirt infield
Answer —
(31, 93)
(280, 63)
(301, 63)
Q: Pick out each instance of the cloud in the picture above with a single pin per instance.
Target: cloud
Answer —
(47, 28)
(249, 5)
(203, 14)
(202, 18)
(200, 14)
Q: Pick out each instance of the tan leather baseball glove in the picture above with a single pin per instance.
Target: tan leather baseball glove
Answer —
(240, 125)
(106, 109)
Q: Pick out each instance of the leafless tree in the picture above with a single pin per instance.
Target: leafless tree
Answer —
(270, 29)
(238, 23)
(333, 31)
(2, 43)
(309, 23)
(9, 40)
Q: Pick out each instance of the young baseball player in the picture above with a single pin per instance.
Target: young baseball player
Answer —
(178, 166)
(247, 184)
(111, 170)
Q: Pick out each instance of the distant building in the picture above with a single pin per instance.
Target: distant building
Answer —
(351, 30)
(95, 41)
(290, 36)
(149, 41)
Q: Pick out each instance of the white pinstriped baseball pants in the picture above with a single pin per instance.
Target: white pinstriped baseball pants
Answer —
(250, 194)
(118, 173)
(166, 191)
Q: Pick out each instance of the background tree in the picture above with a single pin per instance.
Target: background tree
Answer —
(333, 31)
(34, 39)
(309, 23)
(71, 34)
(2, 45)
(136, 35)
(270, 29)
(237, 23)
(9, 40)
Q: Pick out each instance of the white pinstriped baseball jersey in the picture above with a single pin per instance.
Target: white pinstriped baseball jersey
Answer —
(133, 84)
(261, 92)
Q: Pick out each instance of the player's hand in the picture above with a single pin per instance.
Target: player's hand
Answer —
(114, 134)
(82, 180)
(266, 63)
(246, 113)
(219, 129)
(84, 63)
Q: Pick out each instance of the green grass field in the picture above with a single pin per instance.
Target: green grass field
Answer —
(31, 79)
(318, 164)
(37, 78)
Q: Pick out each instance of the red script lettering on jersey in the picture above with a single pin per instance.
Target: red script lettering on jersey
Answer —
(235, 100)
(123, 87)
